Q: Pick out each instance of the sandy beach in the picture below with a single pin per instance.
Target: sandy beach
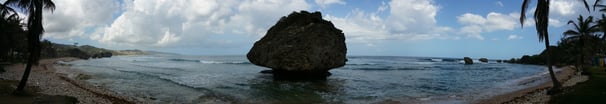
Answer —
(537, 94)
(54, 78)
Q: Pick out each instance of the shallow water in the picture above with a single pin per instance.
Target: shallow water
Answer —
(365, 79)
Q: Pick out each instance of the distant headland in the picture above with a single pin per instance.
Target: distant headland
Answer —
(55, 50)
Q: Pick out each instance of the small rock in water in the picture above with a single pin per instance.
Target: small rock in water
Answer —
(468, 60)
(267, 71)
(484, 60)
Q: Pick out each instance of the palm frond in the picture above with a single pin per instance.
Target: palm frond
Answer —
(596, 3)
(587, 5)
(48, 4)
(569, 33)
(576, 26)
(541, 17)
(523, 13)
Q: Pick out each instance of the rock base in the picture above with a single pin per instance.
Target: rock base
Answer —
(297, 75)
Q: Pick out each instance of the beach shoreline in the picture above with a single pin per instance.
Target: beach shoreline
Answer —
(537, 94)
(55, 77)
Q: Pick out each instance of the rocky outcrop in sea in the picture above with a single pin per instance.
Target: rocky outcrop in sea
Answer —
(301, 45)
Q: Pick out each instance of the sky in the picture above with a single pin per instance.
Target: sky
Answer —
(424, 28)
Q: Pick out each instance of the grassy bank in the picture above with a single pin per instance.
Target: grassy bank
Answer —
(592, 91)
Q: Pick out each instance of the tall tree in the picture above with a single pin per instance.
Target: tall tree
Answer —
(541, 18)
(34, 10)
(582, 34)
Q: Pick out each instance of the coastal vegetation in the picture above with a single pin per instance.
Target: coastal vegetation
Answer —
(581, 45)
(541, 19)
(35, 30)
(588, 92)
(21, 40)
(575, 42)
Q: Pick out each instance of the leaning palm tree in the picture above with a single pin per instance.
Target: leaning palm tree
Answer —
(582, 34)
(35, 30)
(541, 18)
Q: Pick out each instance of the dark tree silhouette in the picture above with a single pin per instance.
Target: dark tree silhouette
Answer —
(541, 18)
(34, 10)
(10, 23)
(582, 34)
(601, 23)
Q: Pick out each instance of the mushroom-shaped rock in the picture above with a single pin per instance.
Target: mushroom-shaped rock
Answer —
(301, 45)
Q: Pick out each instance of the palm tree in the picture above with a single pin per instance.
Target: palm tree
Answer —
(35, 30)
(582, 34)
(541, 17)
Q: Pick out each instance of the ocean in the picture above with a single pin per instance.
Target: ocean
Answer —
(169, 78)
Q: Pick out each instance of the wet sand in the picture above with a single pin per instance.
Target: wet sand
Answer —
(53, 77)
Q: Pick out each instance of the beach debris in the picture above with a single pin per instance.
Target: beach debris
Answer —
(301, 45)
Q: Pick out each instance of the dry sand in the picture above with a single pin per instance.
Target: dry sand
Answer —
(54, 78)
(537, 94)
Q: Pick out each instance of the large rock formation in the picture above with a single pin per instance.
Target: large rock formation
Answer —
(102, 55)
(75, 52)
(468, 60)
(301, 45)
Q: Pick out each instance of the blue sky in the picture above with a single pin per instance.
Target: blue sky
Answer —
(436, 28)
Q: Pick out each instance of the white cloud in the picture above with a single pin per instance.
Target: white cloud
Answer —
(402, 23)
(469, 18)
(564, 7)
(500, 4)
(473, 31)
(325, 3)
(76, 18)
(514, 37)
(206, 23)
(406, 15)
(560, 11)
(359, 26)
(555, 22)
(383, 7)
(475, 25)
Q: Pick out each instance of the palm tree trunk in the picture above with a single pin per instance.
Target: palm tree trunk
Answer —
(35, 31)
(30, 61)
(556, 83)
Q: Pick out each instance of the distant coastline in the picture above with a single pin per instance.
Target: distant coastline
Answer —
(56, 50)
